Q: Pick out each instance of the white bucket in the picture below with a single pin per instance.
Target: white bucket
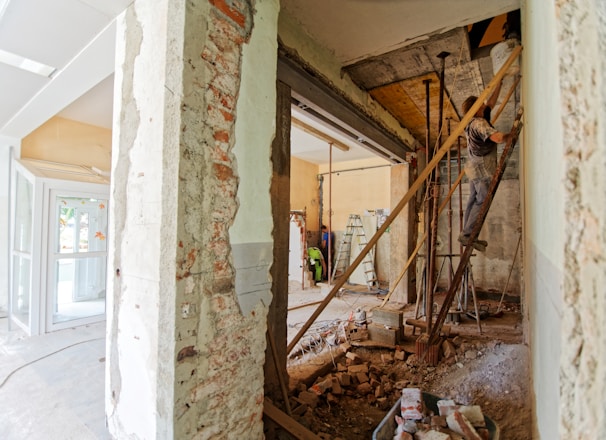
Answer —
(501, 52)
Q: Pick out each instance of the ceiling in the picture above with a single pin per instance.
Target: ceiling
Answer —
(386, 46)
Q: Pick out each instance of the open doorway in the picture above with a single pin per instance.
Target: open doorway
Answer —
(329, 328)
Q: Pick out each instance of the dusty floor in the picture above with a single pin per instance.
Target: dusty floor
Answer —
(62, 375)
(490, 369)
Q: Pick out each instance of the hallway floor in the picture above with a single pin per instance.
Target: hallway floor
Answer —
(51, 386)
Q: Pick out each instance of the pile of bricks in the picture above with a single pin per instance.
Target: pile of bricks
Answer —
(453, 422)
(353, 377)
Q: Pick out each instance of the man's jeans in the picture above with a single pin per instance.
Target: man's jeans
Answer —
(478, 190)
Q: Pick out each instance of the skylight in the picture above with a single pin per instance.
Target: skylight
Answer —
(26, 64)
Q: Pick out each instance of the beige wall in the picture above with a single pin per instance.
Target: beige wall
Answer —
(66, 141)
(304, 190)
(363, 185)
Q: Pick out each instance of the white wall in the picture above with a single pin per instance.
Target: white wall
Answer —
(251, 233)
(542, 205)
(5, 155)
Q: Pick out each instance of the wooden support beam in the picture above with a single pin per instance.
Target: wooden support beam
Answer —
(408, 196)
(288, 423)
(502, 106)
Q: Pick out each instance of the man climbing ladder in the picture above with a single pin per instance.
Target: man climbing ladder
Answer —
(482, 140)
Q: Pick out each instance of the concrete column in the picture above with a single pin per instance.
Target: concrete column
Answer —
(401, 242)
(185, 347)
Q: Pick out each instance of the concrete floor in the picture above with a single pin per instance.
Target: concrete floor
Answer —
(51, 386)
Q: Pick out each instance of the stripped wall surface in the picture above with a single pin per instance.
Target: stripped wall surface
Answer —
(186, 327)
(581, 43)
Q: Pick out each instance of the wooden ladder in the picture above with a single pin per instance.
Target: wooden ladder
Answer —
(435, 329)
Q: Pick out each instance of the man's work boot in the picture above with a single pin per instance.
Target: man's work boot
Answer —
(477, 245)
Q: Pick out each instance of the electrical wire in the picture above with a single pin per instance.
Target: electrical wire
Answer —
(8, 376)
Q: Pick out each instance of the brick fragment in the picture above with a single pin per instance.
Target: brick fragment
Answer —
(387, 358)
(344, 379)
(474, 414)
(311, 399)
(321, 387)
(431, 435)
(345, 347)
(448, 349)
(355, 369)
(336, 387)
(364, 388)
(459, 424)
(354, 358)
(362, 377)
(411, 404)
(446, 407)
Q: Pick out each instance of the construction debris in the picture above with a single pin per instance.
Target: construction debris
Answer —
(365, 384)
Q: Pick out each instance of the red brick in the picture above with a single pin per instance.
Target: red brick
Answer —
(222, 136)
(237, 16)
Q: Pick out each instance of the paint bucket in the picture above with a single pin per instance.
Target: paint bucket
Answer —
(501, 52)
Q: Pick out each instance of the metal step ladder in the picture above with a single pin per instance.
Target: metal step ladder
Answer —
(355, 228)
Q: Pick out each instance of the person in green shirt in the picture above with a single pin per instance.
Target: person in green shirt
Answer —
(316, 263)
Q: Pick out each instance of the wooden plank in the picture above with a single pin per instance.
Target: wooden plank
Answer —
(289, 424)
(319, 134)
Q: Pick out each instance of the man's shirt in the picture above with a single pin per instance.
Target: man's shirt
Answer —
(481, 151)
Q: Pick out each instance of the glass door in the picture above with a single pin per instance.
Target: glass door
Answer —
(77, 259)
(21, 280)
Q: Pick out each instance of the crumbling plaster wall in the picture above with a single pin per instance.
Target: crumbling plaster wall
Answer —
(186, 336)
(581, 43)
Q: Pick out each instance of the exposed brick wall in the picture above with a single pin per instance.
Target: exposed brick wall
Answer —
(219, 380)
